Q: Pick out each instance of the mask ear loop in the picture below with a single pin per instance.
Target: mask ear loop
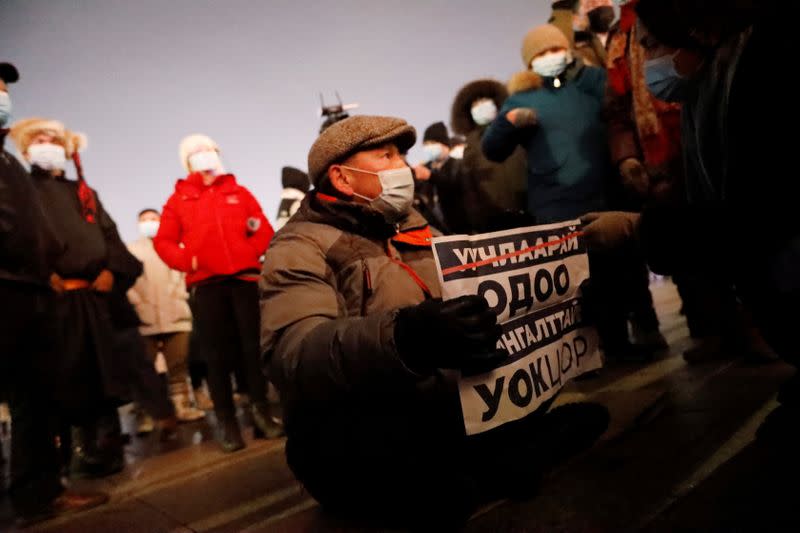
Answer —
(365, 172)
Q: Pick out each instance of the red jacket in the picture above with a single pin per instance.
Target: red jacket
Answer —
(221, 225)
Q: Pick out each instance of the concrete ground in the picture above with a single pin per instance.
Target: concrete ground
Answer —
(679, 455)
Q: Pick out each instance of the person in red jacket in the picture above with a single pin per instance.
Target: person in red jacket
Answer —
(213, 229)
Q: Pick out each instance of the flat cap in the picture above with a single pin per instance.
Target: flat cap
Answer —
(354, 134)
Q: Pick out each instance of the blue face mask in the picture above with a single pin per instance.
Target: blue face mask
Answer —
(663, 80)
(5, 108)
(433, 151)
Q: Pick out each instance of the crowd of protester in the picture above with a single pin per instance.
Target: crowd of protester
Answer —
(646, 123)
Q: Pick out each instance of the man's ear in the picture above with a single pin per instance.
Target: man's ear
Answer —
(339, 180)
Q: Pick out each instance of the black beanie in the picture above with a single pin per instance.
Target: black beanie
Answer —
(295, 178)
(437, 132)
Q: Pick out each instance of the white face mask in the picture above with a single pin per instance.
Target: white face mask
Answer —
(484, 112)
(148, 228)
(206, 161)
(457, 152)
(395, 199)
(552, 64)
(47, 156)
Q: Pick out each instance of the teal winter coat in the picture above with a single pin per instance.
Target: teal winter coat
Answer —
(567, 150)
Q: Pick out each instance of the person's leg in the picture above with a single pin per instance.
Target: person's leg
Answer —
(246, 310)
(27, 343)
(176, 348)
(215, 320)
(176, 353)
(609, 309)
(148, 388)
(151, 344)
(643, 314)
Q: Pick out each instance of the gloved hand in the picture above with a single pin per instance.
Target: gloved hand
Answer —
(458, 334)
(523, 117)
(609, 230)
(634, 176)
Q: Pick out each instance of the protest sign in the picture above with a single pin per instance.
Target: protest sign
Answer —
(531, 277)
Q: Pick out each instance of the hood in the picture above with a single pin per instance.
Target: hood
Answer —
(461, 115)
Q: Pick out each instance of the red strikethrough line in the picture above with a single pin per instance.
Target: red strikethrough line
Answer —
(453, 270)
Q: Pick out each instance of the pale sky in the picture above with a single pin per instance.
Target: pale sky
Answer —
(136, 76)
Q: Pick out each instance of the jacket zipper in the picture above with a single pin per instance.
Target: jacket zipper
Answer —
(221, 232)
(366, 290)
(418, 280)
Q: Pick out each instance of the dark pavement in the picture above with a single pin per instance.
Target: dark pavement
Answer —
(678, 456)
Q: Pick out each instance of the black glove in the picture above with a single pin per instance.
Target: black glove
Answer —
(459, 334)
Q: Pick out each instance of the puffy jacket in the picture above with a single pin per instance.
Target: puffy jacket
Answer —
(331, 287)
(568, 162)
(220, 225)
(159, 295)
(482, 190)
(28, 245)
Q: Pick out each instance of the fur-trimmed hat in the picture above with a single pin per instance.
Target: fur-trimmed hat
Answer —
(192, 142)
(542, 38)
(356, 134)
(295, 178)
(461, 112)
(23, 131)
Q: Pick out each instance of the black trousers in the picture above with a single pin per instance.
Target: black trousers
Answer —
(27, 348)
(227, 323)
(406, 467)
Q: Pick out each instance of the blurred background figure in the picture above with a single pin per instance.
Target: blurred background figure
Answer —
(486, 194)
(457, 145)
(29, 251)
(160, 298)
(214, 230)
(436, 149)
(295, 186)
(90, 277)
(586, 24)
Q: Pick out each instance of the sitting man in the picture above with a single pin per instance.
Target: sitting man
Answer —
(366, 354)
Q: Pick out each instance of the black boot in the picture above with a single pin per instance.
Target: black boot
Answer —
(266, 426)
(92, 459)
(230, 438)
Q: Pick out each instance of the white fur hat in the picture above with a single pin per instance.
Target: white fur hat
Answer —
(191, 143)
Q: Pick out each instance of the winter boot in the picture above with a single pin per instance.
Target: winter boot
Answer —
(230, 435)
(184, 409)
(202, 400)
(266, 426)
